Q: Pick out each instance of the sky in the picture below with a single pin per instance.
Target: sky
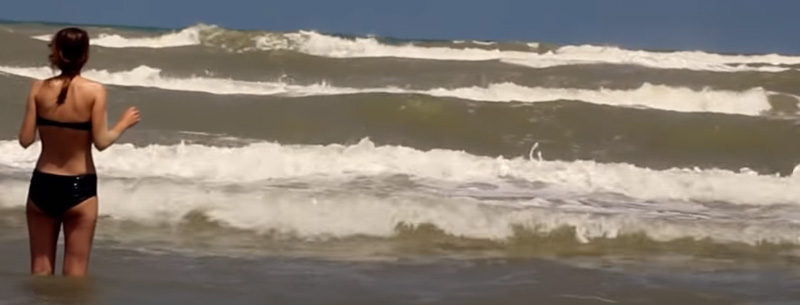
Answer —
(754, 26)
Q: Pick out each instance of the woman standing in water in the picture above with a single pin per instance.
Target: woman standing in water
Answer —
(70, 114)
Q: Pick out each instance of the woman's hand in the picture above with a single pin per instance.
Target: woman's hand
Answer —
(131, 117)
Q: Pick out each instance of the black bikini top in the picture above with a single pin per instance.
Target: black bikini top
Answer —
(73, 125)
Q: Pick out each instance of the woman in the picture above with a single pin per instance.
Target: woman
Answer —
(69, 112)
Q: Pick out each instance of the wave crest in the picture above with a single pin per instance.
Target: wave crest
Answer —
(318, 44)
(265, 161)
(755, 101)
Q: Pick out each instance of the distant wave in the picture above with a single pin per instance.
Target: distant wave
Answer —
(751, 102)
(186, 37)
(329, 46)
(317, 44)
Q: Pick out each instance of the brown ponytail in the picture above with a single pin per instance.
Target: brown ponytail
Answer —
(69, 52)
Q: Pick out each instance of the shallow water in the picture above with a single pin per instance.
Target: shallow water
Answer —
(134, 277)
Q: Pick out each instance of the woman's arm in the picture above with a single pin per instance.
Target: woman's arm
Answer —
(102, 136)
(27, 132)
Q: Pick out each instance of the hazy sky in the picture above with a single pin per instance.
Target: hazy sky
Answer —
(733, 25)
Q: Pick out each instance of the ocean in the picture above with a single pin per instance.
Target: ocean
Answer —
(311, 168)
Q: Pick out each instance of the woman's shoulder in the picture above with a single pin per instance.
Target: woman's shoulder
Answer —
(90, 87)
(36, 86)
(37, 83)
(89, 84)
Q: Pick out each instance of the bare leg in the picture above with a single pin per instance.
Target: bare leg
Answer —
(43, 233)
(79, 225)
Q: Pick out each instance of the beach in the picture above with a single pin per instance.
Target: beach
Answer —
(313, 168)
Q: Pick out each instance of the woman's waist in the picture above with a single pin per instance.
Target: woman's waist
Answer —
(70, 167)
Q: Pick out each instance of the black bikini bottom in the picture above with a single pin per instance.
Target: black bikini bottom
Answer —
(57, 194)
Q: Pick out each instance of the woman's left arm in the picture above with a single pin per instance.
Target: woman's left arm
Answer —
(27, 133)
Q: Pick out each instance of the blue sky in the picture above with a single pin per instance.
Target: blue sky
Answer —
(719, 25)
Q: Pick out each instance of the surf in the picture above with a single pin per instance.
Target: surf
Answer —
(752, 102)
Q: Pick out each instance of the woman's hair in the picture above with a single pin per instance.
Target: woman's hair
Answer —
(69, 52)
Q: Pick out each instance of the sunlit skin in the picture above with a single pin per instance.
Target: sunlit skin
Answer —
(67, 97)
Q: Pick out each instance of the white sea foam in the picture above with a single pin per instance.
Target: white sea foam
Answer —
(751, 102)
(318, 44)
(329, 46)
(163, 184)
(484, 43)
(264, 161)
(186, 37)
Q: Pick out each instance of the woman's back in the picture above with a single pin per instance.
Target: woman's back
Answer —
(65, 128)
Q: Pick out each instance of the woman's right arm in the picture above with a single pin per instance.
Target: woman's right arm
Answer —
(102, 136)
